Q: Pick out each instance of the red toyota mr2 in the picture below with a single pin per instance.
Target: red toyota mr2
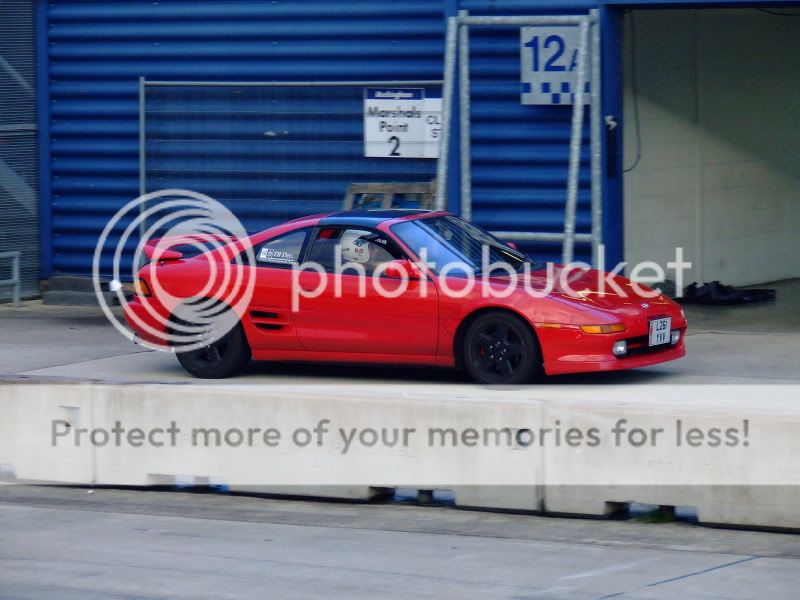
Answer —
(397, 287)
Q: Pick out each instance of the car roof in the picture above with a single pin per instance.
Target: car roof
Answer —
(370, 218)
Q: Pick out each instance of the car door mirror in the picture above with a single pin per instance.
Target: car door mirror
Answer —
(402, 268)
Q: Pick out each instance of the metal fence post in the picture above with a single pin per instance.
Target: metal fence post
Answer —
(597, 192)
(465, 145)
(567, 237)
(142, 155)
(447, 111)
(575, 146)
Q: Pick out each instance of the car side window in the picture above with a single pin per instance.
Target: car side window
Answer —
(283, 251)
(354, 245)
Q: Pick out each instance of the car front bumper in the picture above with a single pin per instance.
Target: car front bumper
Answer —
(572, 351)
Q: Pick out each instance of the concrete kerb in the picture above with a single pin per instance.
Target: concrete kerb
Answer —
(753, 484)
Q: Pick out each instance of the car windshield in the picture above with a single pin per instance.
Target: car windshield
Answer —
(452, 246)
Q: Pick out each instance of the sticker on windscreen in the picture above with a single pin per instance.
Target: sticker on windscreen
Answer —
(276, 256)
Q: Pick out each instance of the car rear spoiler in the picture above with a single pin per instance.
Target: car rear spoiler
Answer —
(164, 248)
(160, 247)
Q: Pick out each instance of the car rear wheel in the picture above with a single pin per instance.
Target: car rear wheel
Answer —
(499, 348)
(220, 358)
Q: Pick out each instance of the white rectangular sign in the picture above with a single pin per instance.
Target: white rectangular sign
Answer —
(549, 64)
(401, 123)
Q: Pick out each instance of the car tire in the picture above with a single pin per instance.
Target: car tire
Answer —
(222, 358)
(500, 348)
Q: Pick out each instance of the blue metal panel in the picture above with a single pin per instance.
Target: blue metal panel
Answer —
(613, 233)
(99, 49)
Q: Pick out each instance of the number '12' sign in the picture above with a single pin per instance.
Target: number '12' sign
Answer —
(554, 44)
(549, 64)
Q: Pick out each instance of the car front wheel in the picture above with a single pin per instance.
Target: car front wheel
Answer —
(499, 348)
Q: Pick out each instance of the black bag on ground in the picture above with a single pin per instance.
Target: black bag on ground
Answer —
(716, 293)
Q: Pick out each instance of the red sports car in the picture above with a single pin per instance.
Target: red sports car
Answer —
(399, 287)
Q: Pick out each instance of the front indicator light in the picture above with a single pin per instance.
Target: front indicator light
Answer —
(675, 336)
(614, 328)
(620, 348)
(141, 288)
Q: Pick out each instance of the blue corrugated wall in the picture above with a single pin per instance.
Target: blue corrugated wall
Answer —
(96, 51)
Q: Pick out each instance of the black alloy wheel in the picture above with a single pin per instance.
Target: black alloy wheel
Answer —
(220, 358)
(499, 348)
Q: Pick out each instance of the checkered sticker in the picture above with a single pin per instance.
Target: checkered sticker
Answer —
(549, 65)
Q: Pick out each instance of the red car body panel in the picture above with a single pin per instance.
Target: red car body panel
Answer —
(412, 329)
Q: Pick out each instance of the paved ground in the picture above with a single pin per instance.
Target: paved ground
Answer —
(756, 343)
(67, 544)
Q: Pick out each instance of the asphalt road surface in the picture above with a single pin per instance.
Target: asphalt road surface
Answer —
(69, 544)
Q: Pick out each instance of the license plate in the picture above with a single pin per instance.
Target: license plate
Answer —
(660, 330)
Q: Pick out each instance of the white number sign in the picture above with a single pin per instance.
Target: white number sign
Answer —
(549, 64)
(401, 123)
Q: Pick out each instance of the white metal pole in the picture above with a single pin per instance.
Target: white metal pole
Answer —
(447, 110)
(596, 133)
(142, 156)
(575, 145)
(465, 146)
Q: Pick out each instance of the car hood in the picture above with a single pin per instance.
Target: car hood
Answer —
(596, 290)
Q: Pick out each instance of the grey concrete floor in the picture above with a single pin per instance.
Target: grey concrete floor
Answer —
(66, 543)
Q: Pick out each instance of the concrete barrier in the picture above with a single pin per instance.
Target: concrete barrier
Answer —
(25, 413)
(728, 451)
(330, 442)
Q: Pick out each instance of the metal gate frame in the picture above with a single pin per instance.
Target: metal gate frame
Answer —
(458, 40)
(145, 83)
